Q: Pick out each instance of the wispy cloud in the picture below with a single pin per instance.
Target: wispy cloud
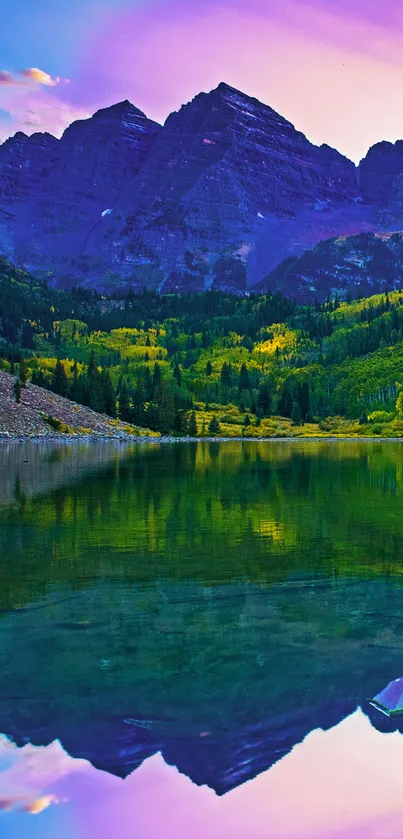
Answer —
(37, 75)
(28, 105)
(32, 75)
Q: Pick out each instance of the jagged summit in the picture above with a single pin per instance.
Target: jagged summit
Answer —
(218, 196)
(118, 109)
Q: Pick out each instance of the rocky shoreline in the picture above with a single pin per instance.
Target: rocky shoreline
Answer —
(69, 439)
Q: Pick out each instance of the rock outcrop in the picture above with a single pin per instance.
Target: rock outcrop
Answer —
(355, 266)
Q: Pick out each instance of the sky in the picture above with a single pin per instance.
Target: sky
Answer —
(332, 67)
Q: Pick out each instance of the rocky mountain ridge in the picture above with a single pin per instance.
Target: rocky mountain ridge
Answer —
(219, 196)
(349, 266)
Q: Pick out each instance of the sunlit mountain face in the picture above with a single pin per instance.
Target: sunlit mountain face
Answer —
(213, 603)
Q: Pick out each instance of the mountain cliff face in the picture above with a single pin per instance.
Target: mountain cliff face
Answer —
(379, 170)
(219, 196)
(53, 192)
(224, 168)
(355, 266)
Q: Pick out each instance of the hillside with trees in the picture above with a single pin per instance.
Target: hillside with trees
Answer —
(213, 364)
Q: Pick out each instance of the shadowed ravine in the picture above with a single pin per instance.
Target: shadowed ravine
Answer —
(215, 602)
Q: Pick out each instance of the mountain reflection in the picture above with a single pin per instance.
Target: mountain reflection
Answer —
(215, 603)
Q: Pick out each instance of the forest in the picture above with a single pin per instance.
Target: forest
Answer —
(211, 364)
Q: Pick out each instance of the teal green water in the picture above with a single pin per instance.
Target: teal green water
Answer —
(150, 594)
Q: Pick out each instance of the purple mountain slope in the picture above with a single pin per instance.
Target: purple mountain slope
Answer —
(219, 196)
(53, 192)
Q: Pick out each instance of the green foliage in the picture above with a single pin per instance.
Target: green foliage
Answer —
(58, 425)
(161, 360)
(193, 425)
(296, 414)
(214, 426)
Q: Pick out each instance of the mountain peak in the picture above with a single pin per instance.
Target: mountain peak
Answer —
(118, 109)
(225, 87)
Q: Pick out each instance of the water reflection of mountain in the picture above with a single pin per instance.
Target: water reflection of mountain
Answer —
(214, 602)
(223, 682)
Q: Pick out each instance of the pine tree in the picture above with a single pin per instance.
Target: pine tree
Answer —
(92, 364)
(156, 377)
(193, 425)
(148, 385)
(124, 403)
(244, 378)
(296, 414)
(286, 401)
(23, 372)
(178, 375)
(226, 375)
(209, 368)
(108, 394)
(180, 426)
(304, 400)
(164, 400)
(17, 391)
(137, 410)
(214, 426)
(59, 383)
(264, 401)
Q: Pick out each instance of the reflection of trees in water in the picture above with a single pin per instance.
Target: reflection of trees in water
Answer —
(211, 512)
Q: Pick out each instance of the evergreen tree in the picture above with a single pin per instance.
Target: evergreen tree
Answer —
(264, 401)
(178, 375)
(180, 426)
(23, 372)
(137, 411)
(92, 364)
(163, 399)
(59, 383)
(304, 400)
(296, 418)
(285, 404)
(192, 425)
(39, 379)
(226, 375)
(244, 378)
(108, 394)
(27, 338)
(156, 377)
(17, 391)
(148, 385)
(124, 403)
(214, 426)
(209, 368)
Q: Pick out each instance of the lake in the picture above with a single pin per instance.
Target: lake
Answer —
(206, 605)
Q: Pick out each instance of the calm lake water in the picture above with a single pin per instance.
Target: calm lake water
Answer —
(211, 602)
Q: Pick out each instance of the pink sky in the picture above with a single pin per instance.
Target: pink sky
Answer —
(333, 67)
(345, 783)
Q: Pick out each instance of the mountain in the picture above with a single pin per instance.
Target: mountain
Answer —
(53, 192)
(218, 196)
(353, 266)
